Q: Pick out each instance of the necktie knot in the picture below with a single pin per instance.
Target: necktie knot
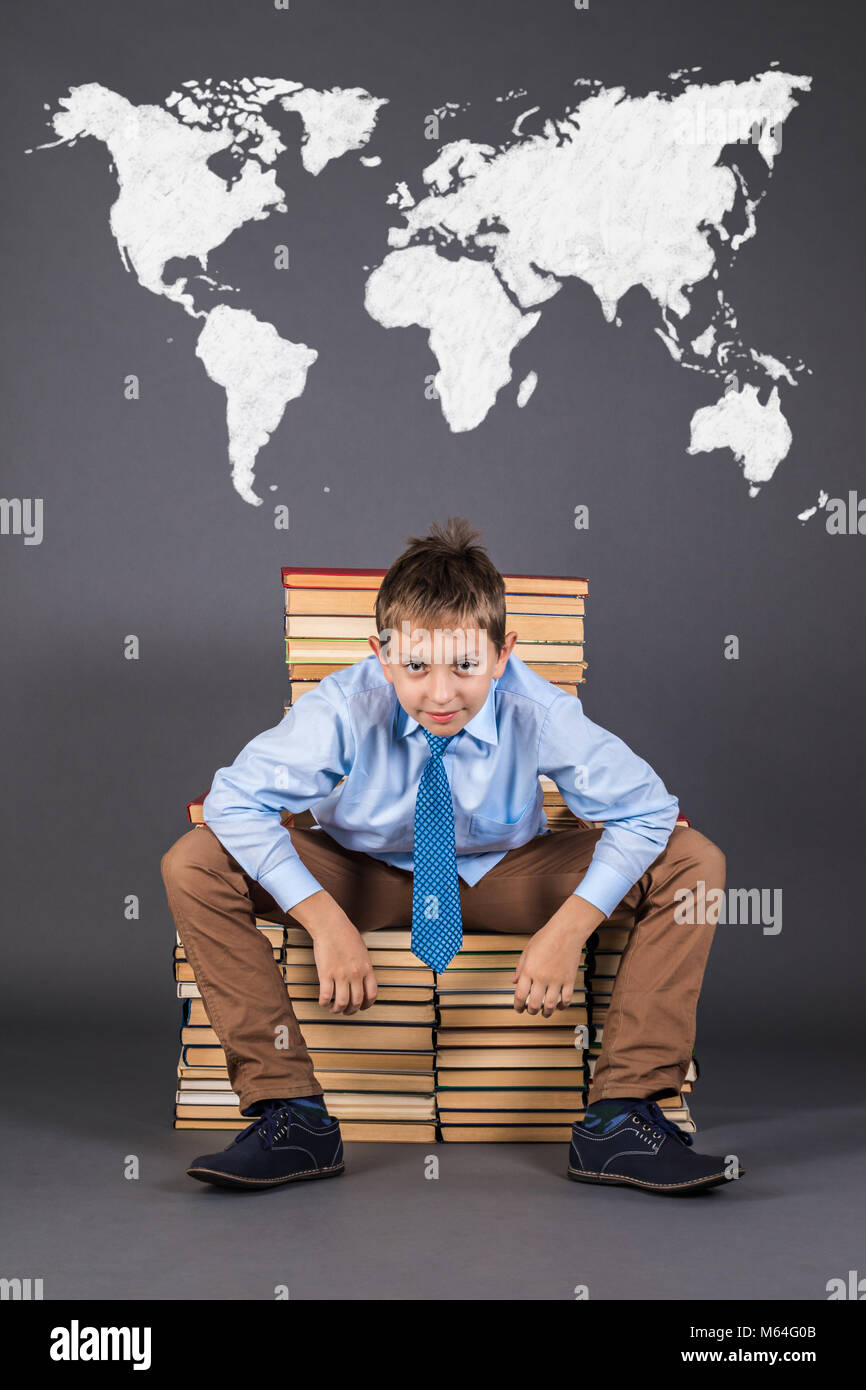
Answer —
(438, 742)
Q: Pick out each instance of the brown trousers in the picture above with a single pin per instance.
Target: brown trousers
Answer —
(649, 1029)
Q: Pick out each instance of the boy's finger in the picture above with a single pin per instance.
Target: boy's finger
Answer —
(536, 997)
(521, 990)
(357, 994)
(551, 998)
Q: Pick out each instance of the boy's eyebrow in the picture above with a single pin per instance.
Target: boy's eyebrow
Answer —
(404, 661)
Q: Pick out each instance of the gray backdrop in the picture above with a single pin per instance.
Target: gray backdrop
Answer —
(144, 534)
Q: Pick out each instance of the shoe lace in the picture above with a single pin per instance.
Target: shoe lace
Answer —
(270, 1124)
(658, 1121)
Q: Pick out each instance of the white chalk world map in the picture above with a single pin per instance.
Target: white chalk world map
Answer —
(614, 190)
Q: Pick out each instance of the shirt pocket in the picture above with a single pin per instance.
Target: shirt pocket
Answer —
(489, 834)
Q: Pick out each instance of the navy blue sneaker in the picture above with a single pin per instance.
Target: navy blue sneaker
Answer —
(285, 1143)
(641, 1147)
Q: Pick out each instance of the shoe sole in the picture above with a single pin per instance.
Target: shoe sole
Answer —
(217, 1179)
(670, 1189)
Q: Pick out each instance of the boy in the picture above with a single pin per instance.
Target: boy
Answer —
(441, 735)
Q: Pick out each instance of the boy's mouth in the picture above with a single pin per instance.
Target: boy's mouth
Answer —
(441, 718)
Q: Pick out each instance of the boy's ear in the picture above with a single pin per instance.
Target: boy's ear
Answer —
(507, 649)
(377, 648)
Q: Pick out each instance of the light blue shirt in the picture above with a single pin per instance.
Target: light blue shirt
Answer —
(352, 725)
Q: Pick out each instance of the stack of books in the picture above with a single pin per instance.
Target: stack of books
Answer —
(455, 1062)
(438, 1056)
(503, 1075)
(204, 1098)
(375, 1066)
(329, 614)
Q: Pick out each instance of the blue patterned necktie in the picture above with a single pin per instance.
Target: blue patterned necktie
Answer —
(437, 926)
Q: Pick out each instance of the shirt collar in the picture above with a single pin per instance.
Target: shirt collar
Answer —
(481, 726)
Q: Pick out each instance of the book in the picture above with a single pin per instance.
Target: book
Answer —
(495, 1076)
(506, 1134)
(330, 602)
(456, 1000)
(557, 628)
(326, 577)
(538, 1032)
(403, 1038)
(387, 976)
(211, 1055)
(387, 993)
(454, 1101)
(463, 1017)
(311, 1011)
(332, 1079)
(453, 985)
(351, 1131)
(569, 670)
(345, 651)
(343, 1105)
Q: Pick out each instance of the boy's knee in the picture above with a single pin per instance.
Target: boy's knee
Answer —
(187, 852)
(705, 856)
(170, 861)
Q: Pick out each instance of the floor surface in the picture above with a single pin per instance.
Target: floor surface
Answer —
(500, 1221)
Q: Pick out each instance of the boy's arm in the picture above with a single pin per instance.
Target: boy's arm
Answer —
(602, 779)
(293, 765)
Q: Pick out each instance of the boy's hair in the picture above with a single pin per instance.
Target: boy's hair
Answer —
(443, 575)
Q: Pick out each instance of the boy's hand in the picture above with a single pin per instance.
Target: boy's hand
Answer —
(547, 969)
(346, 978)
(345, 969)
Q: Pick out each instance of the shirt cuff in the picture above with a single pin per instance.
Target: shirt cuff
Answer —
(603, 886)
(289, 882)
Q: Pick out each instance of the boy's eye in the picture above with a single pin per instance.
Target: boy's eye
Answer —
(465, 665)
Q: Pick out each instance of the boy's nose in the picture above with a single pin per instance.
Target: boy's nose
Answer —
(440, 693)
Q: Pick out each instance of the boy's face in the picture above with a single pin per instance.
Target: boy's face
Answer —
(441, 671)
